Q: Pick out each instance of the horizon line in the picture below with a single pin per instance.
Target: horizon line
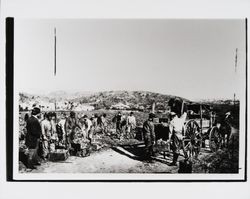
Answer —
(93, 92)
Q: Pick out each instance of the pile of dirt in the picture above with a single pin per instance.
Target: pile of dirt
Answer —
(105, 141)
(219, 162)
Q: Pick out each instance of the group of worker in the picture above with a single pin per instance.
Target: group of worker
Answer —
(125, 125)
(44, 135)
(49, 132)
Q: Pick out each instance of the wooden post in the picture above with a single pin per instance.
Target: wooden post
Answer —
(55, 52)
(236, 59)
(153, 107)
(201, 118)
(182, 108)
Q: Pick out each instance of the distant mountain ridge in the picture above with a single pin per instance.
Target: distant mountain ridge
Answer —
(137, 100)
(68, 95)
(105, 99)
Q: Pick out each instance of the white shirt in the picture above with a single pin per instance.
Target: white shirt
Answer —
(89, 124)
(62, 124)
(131, 120)
(177, 123)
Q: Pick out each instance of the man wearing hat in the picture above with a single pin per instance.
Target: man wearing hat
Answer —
(149, 136)
(176, 137)
(131, 124)
(88, 128)
(70, 125)
(117, 120)
(46, 134)
(94, 120)
(104, 123)
(34, 133)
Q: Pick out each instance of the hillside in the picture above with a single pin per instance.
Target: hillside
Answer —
(140, 100)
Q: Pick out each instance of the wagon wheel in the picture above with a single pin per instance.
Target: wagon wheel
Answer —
(214, 139)
(192, 138)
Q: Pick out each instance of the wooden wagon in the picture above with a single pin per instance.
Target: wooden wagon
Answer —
(202, 129)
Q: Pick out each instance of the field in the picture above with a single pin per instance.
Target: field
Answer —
(219, 162)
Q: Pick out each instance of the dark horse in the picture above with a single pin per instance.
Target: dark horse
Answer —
(224, 131)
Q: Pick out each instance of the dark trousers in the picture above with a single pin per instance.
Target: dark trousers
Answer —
(177, 145)
(118, 127)
(149, 151)
(149, 148)
(33, 157)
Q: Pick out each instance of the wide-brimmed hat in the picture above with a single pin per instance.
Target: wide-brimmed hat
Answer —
(151, 115)
(72, 113)
(35, 111)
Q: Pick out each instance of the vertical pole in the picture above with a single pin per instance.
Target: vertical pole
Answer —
(182, 108)
(153, 107)
(55, 57)
(234, 99)
(201, 118)
(201, 127)
(235, 69)
(236, 59)
(55, 52)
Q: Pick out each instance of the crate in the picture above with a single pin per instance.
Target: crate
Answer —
(58, 155)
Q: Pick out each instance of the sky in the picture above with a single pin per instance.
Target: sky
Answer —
(194, 59)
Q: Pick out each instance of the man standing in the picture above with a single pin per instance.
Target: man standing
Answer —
(70, 125)
(149, 136)
(54, 137)
(176, 137)
(94, 120)
(104, 124)
(61, 129)
(88, 128)
(131, 124)
(34, 133)
(118, 120)
(46, 134)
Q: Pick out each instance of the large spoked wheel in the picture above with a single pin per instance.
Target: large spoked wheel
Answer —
(215, 139)
(192, 139)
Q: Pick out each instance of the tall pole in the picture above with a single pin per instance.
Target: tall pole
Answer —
(236, 59)
(55, 52)
(153, 107)
(235, 68)
(201, 118)
(234, 98)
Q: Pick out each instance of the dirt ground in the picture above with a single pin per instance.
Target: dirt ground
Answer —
(107, 161)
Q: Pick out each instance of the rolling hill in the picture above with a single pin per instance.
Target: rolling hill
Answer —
(104, 100)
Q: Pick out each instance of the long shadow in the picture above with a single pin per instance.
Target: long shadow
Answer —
(136, 153)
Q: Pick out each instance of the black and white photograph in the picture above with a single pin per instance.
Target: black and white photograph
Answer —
(129, 99)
